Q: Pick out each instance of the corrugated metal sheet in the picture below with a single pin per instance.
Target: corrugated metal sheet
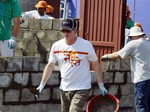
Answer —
(102, 22)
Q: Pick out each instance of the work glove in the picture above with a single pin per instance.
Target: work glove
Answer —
(12, 42)
(102, 89)
(105, 58)
(39, 90)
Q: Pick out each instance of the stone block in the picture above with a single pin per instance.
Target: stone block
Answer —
(45, 95)
(12, 96)
(41, 35)
(113, 89)
(21, 78)
(127, 89)
(30, 63)
(46, 24)
(42, 66)
(22, 45)
(108, 77)
(114, 65)
(14, 64)
(51, 35)
(27, 36)
(2, 64)
(1, 98)
(34, 24)
(24, 23)
(26, 95)
(5, 79)
(54, 79)
(56, 24)
(125, 64)
(127, 101)
(56, 93)
(119, 77)
(93, 77)
(36, 78)
(129, 79)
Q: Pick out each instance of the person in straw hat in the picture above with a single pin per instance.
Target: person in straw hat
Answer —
(138, 50)
(41, 13)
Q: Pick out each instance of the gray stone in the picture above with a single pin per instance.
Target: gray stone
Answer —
(45, 95)
(54, 79)
(21, 78)
(46, 24)
(56, 24)
(108, 77)
(113, 89)
(119, 77)
(35, 24)
(56, 94)
(36, 78)
(27, 36)
(127, 101)
(127, 89)
(26, 95)
(14, 64)
(30, 63)
(1, 98)
(12, 96)
(5, 79)
(24, 23)
(2, 64)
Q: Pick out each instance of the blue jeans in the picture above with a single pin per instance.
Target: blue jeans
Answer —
(142, 96)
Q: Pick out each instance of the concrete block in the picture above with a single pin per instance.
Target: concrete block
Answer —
(119, 77)
(46, 24)
(21, 78)
(45, 95)
(56, 93)
(5, 79)
(30, 63)
(127, 89)
(56, 24)
(27, 36)
(24, 23)
(26, 95)
(54, 79)
(108, 77)
(36, 78)
(127, 101)
(34, 24)
(2, 64)
(12, 96)
(51, 35)
(113, 89)
(14, 64)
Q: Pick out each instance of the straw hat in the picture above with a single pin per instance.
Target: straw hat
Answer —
(136, 31)
(41, 4)
(49, 9)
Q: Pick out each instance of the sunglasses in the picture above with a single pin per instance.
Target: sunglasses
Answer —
(67, 31)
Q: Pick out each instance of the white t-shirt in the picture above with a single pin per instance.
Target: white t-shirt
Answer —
(139, 51)
(35, 14)
(73, 61)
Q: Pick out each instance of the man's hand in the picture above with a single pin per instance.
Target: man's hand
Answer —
(12, 42)
(102, 89)
(105, 58)
(40, 89)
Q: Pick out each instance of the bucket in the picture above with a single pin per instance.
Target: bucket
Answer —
(99, 103)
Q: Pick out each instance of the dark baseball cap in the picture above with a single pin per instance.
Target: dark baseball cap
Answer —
(68, 24)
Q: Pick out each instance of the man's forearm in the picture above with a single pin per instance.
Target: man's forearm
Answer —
(16, 26)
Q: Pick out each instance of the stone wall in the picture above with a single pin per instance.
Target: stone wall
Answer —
(24, 71)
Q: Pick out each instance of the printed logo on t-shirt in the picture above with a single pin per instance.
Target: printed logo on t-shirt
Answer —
(71, 56)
